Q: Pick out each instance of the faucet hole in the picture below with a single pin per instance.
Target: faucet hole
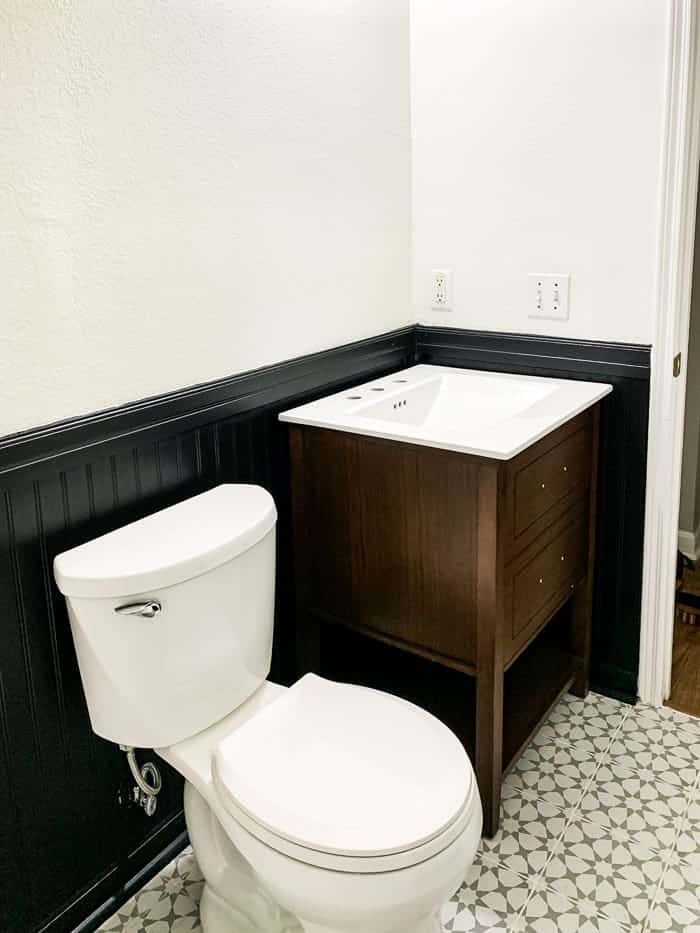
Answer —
(353, 398)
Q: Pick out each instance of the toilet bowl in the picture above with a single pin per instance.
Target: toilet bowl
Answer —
(323, 807)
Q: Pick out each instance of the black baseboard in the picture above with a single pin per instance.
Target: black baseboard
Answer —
(82, 917)
(622, 474)
(70, 853)
(133, 884)
(615, 682)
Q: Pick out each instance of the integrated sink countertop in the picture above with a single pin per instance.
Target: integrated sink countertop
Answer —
(485, 414)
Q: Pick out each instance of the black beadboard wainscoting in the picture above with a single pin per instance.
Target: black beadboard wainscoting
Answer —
(71, 851)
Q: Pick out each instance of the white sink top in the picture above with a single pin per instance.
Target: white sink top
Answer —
(486, 414)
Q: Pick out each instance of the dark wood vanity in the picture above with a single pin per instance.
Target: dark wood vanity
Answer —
(478, 565)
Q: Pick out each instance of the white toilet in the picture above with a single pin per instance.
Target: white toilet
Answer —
(322, 807)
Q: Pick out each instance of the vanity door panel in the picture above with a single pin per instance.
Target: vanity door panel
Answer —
(387, 534)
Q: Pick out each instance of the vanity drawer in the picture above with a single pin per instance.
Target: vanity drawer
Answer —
(543, 482)
(542, 579)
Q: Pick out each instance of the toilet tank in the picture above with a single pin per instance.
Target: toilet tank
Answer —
(172, 615)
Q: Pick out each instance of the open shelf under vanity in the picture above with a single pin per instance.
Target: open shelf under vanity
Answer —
(533, 684)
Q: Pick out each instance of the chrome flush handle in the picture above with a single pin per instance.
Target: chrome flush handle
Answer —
(148, 610)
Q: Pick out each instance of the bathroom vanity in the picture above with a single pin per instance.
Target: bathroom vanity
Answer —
(451, 514)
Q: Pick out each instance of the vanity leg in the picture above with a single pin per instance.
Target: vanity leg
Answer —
(582, 602)
(489, 747)
(489, 646)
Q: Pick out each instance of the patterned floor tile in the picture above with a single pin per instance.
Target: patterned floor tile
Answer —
(479, 919)
(688, 843)
(559, 778)
(692, 816)
(656, 764)
(587, 745)
(547, 911)
(119, 922)
(490, 900)
(632, 800)
(615, 872)
(529, 830)
(674, 717)
(677, 905)
(592, 717)
(168, 903)
(660, 735)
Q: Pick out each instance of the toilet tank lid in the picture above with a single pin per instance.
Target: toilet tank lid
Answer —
(170, 546)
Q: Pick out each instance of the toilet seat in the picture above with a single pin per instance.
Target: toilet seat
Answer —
(351, 863)
(346, 778)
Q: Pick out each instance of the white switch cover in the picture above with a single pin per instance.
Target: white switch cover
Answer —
(441, 295)
(549, 296)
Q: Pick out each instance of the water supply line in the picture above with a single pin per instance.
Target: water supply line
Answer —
(148, 781)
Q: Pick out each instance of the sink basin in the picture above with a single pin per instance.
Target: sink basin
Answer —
(493, 415)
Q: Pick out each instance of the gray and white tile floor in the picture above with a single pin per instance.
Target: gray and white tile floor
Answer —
(600, 833)
(169, 903)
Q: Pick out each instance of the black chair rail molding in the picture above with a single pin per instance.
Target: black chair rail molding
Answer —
(73, 848)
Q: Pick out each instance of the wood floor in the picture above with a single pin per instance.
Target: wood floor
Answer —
(685, 678)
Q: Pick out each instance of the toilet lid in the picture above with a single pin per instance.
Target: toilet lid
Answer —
(345, 770)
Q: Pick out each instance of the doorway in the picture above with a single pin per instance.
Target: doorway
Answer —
(674, 269)
(685, 670)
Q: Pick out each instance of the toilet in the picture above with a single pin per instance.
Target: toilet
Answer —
(322, 807)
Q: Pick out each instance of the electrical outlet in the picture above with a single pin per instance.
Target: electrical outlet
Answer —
(442, 290)
(549, 296)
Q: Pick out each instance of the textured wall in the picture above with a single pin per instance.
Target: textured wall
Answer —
(537, 132)
(190, 189)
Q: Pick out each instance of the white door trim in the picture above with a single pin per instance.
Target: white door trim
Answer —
(675, 248)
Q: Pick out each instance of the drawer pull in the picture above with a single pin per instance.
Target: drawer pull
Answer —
(571, 586)
(541, 580)
(562, 557)
(566, 469)
(543, 485)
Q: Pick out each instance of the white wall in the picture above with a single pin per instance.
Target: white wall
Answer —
(537, 130)
(190, 189)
